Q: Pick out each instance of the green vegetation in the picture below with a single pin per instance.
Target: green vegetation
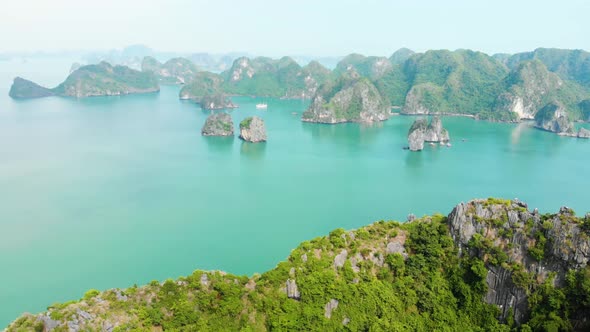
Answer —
(104, 79)
(174, 71)
(246, 123)
(424, 285)
(203, 84)
(273, 78)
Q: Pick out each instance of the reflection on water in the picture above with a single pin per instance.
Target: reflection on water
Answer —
(219, 143)
(254, 151)
(345, 133)
(517, 131)
(414, 160)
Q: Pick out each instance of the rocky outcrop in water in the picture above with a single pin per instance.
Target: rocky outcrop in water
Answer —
(435, 131)
(355, 100)
(24, 89)
(536, 247)
(216, 102)
(218, 124)
(584, 133)
(416, 134)
(252, 129)
(421, 132)
(554, 118)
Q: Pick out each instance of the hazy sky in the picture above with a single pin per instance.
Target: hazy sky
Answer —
(312, 27)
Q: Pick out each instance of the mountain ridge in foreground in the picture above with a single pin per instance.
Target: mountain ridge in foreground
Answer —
(490, 265)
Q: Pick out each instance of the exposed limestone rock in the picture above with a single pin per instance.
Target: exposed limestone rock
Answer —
(396, 247)
(584, 133)
(553, 117)
(252, 129)
(435, 131)
(528, 87)
(420, 133)
(292, 290)
(416, 135)
(330, 306)
(566, 247)
(357, 101)
(204, 280)
(218, 124)
(340, 259)
(216, 102)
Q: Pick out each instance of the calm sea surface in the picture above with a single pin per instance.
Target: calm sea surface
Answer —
(114, 191)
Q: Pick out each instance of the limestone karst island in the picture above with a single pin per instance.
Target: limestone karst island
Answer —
(309, 166)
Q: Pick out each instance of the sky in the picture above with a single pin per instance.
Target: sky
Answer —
(302, 27)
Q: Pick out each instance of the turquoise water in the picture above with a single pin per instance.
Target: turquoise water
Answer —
(108, 192)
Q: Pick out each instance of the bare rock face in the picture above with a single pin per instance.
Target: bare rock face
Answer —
(216, 102)
(357, 101)
(416, 135)
(330, 306)
(553, 117)
(340, 259)
(435, 131)
(584, 133)
(527, 88)
(420, 132)
(252, 129)
(292, 290)
(566, 247)
(218, 124)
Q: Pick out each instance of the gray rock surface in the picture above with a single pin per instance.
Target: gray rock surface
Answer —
(416, 135)
(567, 247)
(340, 259)
(435, 131)
(330, 306)
(292, 289)
(252, 129)
(421, 132)
(553, 117)
(204, 280)
(357, 101)
(49, 323)
(584, 133)
(216, 102)
(218, 124)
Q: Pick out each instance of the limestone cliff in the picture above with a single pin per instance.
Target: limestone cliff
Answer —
(354, 100)
(217, 101)
(528, 88)
(554, 118)
(534, 246)
(252, 129)
(490, 265)
(218, 124)
(421, 132)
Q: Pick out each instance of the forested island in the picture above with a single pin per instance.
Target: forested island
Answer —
(489, 265)
(102, 79)
(500, 87)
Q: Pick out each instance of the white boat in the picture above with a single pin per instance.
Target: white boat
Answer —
(261, 106)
